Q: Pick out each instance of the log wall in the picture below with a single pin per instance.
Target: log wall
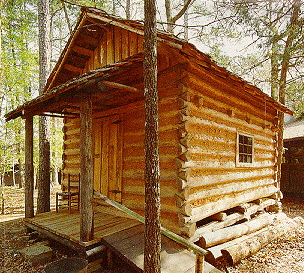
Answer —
(116, 44)
(200, 115)
(133, 150)
(211, 179)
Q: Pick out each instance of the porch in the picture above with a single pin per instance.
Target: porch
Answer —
(118, 234)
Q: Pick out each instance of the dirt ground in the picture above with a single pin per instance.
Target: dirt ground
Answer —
(283, 255)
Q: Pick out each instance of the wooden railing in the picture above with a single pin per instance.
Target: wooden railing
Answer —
(200, 252)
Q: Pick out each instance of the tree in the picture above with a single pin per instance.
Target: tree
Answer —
(152, 173)
(128, 9)
(171, 20)
(43, 201)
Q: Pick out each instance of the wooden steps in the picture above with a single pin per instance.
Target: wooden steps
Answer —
(129, 244)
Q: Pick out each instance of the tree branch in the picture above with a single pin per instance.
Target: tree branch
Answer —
(182, 11)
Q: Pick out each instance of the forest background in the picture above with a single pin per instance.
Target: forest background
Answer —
(261, 41)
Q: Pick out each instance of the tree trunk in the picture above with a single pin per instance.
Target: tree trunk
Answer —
(152, 173)
(86, 170)
(114, 7)
(169, 16)
(294, 24)
(128, 9)
(43, 201)
(29, 169)
(186, 29)
(21, 172)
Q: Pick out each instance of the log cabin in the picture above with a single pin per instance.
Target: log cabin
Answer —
(218, 133)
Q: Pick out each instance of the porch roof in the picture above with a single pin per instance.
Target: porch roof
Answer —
(105, 83)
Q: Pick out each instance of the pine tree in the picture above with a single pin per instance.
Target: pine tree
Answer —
(152, 173)
(43, 201)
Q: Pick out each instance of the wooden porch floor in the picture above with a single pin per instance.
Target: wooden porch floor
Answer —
(67, 225)
(123, 236)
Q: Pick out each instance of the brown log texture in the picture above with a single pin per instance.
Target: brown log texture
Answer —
(86, 174)
(43, 199)
(229, 233)
(152, 174)
(235, 253)
(29, 169)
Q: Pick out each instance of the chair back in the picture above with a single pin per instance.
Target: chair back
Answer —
(73, 178)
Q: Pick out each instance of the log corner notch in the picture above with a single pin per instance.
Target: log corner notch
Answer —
(86, 169)
(29, 168)
(188, 228)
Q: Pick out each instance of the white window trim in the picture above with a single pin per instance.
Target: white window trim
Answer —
(237, 162)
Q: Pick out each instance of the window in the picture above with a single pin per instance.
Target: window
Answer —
(245, 150)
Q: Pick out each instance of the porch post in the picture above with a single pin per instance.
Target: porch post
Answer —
(29, 168)
(86, 171)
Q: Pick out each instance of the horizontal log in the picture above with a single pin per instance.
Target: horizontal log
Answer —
(229, 201)
(220, 216)
(164, 164)
(214, 253)
(235, 253)
(210, 177)
(71, 146)
(165, 191)
(72, 152)
(118, 86)
(234, 118)
(229, 233)
(165, 136)
(218, 92)
(71, 171)
(233, 187)
(71, 122)
(72, 141)
(168, 174)
(95, 250)
(216, 225)
(134, 203)
(72, 161)
(249, 209)
(73, 132)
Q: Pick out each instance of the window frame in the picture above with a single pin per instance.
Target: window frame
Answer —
(237, 158)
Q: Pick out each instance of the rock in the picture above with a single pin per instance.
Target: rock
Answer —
(17, 230)
(24, 238)
(44, 243)
(37, 254)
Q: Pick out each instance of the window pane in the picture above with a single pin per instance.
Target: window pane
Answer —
(241, 148)
(241, 158)
(250, 150)
(245, 149)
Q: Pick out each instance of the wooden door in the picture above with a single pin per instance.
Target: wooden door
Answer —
(108, 156)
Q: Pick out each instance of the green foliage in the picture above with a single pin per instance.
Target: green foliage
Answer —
(270, 35)
(295, 97)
